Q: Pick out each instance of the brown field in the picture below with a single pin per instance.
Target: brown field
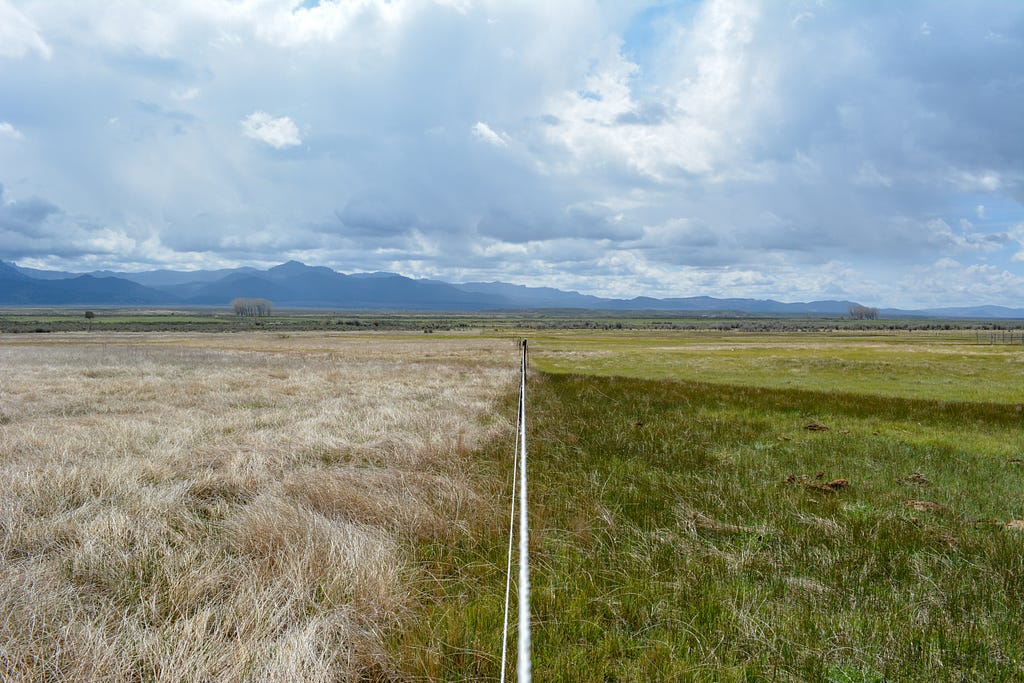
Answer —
(229, 507)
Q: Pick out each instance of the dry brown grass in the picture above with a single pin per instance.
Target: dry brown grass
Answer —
(228, 507)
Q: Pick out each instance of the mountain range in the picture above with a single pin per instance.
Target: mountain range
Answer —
(296, 285)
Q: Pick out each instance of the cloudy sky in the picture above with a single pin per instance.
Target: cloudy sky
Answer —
(793, 149)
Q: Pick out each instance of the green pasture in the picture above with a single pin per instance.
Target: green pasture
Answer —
(957, 365)
(726, 508)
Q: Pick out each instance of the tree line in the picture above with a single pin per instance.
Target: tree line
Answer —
(863, 313)
(252, 308)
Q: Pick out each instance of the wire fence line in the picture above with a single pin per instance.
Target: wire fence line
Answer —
(523, 662)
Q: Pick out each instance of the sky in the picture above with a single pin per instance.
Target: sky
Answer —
(787, 149)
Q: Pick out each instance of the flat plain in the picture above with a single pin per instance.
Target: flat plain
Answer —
(228, 507)
(730, 506)
(705, 504)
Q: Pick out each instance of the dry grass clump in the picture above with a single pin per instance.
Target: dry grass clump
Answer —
(228, 507)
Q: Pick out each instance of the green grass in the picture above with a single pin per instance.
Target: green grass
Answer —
(949, 365)
(677, 534)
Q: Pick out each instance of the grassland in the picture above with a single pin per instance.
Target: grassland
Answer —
(698, 530)
(948, 365)
(713, 505)
(228, 507)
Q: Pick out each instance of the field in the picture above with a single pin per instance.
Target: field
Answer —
(740, 507)
(228, 507)
(706, 505)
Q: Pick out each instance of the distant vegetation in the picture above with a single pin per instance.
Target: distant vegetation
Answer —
(863, 313)
(217, 320)
(252, 308)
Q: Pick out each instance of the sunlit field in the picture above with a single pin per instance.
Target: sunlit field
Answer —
(705, 505)
(229, 507)
(773, 507)
(956, 365)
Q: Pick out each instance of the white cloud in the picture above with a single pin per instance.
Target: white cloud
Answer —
(162, 29)
(285, 25)
(18, 35)
(967, 239)
(278, 133)
(707, 95)
(977, 181)
(482, 131)
(719, 146)
(107, 241)
(1017, 234)
(7, 130)
(947, 285)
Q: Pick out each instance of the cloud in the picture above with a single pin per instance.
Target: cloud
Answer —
(28, 217)
(33, 226)
(482, 131)
(279, 133)
(946, 284)
(1016, 233)
(18, 35)
(751, 148)
(375, 215)
(710, 89)
(7, 130)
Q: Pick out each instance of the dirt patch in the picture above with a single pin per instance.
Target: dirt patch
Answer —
(925, 505)
(829, 487)
(915, 478)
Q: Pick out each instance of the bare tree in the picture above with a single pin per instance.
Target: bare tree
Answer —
(252, 308)
(859, 312)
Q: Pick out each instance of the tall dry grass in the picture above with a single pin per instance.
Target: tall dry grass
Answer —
(228, 507)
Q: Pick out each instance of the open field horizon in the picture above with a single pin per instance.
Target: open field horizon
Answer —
(264, 265)
(331, 506)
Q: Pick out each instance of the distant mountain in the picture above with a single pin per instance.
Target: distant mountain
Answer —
(42, 274)
(297, 285)
(534, 297)
(711, 304)
(18, 289)
(12, 273)
(150, 278)
(962, 312)
(547, 297)
(170, 278)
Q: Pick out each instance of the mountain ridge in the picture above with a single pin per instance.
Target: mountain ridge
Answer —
(297, 285)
